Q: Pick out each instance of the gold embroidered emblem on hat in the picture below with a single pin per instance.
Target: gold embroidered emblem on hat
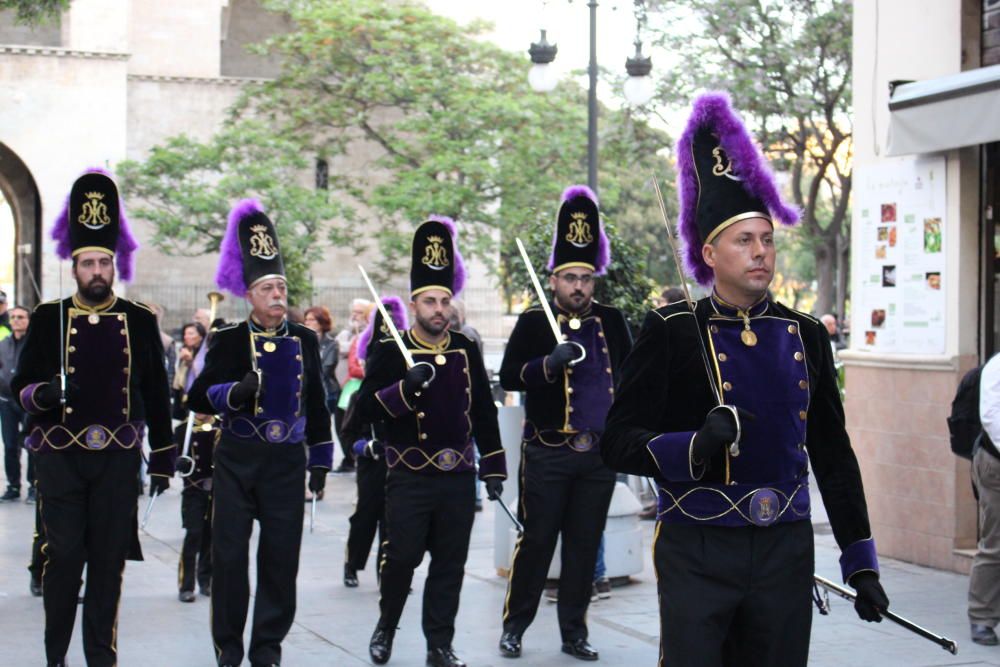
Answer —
(435, 253)
(94, 214)
(579, 230)
(723, 165)
(261, 243)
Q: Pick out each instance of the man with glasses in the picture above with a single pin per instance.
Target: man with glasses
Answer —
(569, 386)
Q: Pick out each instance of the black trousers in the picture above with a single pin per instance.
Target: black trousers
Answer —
(369, 513)
(196, 553)
(567, 492)
(734, 597)
(262, 481)
(11, 418)
(88, 504)
(433, 513)
(37, 543)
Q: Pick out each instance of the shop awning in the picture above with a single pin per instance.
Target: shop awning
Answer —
(948, 112)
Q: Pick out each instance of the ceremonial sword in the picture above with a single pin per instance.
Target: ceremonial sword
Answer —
(824, 609)
(734, 447)
(184, 459)
(553, 324)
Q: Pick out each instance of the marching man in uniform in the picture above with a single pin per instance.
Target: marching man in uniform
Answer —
(88, 438)
(263, 377)
(569, 386)
(726, 406)
(431, 413)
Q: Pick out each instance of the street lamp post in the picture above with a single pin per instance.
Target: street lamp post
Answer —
(638, 88)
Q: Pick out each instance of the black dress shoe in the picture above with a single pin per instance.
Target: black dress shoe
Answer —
(350, 576)
(58, 663)
(983, 635)
(186, 596)
(510, 645)
(380, 646)
(205, 590)
(35, 586)
(580, 649)
(443, 657)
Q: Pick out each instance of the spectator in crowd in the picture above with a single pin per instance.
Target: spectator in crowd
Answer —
(4, 316)
(984, 579)
(355, 325)
(12, 417)
(355, 374)
(169, 346)
(829, 320)
(189, 361)
(319, 321)
(203, 316)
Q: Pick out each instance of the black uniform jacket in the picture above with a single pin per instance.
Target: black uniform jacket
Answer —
(112, 353)
(665, 390)
(606, 336)
(228, 361)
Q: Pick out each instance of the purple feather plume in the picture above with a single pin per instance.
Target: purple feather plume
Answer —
(229, 274)
(397, 311)
(603, 244)
(714, 109)
(125, 247)
(458, 284)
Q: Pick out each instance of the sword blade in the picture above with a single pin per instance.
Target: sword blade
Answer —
(388, 320)
(510, 515)
(149, 509)
(541, 295)
(312, 513)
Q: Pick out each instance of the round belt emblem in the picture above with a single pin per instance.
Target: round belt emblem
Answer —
(96, 437)
(447, 460)
(764, 507)
(276, 432)
(582, 442)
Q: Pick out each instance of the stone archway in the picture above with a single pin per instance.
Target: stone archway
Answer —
(20, 191)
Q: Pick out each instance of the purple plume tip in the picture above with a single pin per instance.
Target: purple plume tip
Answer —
(397, 311)
(229, 274)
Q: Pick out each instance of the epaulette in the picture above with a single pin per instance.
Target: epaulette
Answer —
(46, 303)
(144, 306)
(227, 326)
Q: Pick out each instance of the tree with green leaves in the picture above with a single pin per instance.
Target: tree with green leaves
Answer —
(35, 12)
(787, 66)
(451, 128)
(185, 189)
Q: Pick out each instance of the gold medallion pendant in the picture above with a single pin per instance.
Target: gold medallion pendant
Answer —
(440, 360)
(574, 323)
(748, 337)
(93, 318)
(270, 346)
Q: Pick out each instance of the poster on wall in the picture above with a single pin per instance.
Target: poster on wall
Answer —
(898, 263)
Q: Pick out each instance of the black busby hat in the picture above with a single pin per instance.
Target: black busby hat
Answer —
(579, 238)
(436, 262)
(93, 218)
(250, 251)
(723, 179)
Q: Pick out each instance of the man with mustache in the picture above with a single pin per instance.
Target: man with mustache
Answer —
(263, 377)
(88, 438)
(726, 406)
(430, 414)
(569, 386)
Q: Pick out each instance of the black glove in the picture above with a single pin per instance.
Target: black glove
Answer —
(244, 390)
(719, 430)
(560, 356)
(317, 479)
(184, 466)
(494, 488)
(871, 600)
(416, 378)
(158, 484)
(47, 396)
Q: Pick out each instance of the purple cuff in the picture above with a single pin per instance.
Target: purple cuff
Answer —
(493, 464)
(393, 400)
(533, 373)
(218, 396)
(163, 460)
(27, 398)
(672, 454)
(321, 455)
(859, 557)
(360, 448)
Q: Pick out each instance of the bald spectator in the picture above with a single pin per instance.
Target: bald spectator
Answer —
(829, 320)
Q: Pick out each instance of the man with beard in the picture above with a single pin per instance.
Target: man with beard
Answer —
(431, 413)
(730, 445)
(569, 386)
(263, 377)
(88, 437)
